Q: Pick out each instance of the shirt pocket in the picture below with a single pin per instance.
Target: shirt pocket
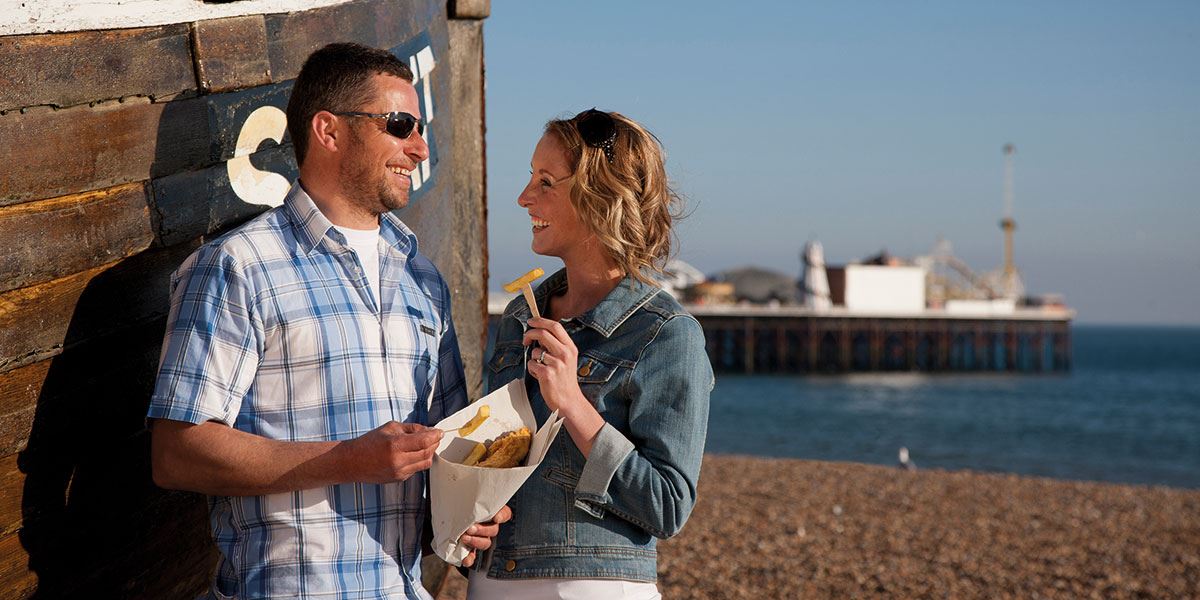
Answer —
(598, 373)
(562, 477)
(430, 336)
(507, 363)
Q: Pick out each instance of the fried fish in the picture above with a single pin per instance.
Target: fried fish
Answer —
(508, 450)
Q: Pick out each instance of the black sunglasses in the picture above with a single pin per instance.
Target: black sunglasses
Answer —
(399, 124)
(598, 130)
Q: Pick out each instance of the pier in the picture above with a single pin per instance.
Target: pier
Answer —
(792, 339)
(759, 339)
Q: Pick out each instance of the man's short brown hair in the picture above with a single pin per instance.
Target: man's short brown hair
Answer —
(336, 78)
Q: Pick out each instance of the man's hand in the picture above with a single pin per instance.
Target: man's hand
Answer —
(479, 536)
(393, 452)
(212, 458)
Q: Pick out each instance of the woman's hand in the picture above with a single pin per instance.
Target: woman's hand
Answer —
(553, 363)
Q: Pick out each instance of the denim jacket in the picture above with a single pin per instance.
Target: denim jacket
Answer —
(643, 365)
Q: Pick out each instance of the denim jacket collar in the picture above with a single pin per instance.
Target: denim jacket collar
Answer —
(629, 295)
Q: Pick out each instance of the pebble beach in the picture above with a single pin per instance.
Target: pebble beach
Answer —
(787, 528)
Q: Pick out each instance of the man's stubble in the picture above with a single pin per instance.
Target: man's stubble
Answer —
(366, 183)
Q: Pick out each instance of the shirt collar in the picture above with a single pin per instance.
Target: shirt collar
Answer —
(312, 226)
(620, 303)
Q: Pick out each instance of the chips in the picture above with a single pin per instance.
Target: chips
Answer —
(480, 416)
(476, 454)
(522, 281)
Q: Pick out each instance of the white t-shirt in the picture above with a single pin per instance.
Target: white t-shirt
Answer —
(365, 243)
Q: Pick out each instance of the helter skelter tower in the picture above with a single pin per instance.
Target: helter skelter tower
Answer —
(1010, 280)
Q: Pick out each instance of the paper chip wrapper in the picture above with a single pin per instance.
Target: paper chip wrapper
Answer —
(462, 496)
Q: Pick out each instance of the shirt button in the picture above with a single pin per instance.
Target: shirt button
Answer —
(586, 369)
(510, 565)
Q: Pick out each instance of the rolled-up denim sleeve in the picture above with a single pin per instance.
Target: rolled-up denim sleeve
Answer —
(649, 475)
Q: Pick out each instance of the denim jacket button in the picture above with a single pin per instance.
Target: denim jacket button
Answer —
(510, 565)
(586, 369)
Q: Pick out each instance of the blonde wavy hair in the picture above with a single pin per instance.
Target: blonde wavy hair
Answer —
(627, 201)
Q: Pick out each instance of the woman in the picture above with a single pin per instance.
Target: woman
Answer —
(620, 361)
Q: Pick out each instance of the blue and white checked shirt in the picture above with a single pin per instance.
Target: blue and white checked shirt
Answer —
(273, 331)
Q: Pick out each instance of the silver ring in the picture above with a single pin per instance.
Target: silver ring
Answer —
(541, 357)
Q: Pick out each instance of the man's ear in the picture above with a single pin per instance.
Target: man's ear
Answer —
(325, 130)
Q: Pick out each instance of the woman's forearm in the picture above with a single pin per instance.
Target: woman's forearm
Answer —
(582, 422)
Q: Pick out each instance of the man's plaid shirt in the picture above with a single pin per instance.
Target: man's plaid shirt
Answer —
(272, 331)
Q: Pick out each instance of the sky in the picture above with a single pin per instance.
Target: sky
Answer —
(880, 125)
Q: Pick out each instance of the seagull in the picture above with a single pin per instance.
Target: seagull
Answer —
(905, 463)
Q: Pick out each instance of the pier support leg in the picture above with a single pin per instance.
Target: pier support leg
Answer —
(814, 347)
(782, 351)
(910, 349)
(748, 349)
(845, 348)
(874, 346)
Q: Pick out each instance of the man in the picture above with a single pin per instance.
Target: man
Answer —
(306, 350)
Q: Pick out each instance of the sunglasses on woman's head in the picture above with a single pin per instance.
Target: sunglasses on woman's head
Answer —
(399, 124)
(598, 130)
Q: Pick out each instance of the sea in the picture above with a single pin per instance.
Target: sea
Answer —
(1128, 411)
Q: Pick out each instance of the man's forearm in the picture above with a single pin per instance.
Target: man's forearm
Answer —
(215, 459)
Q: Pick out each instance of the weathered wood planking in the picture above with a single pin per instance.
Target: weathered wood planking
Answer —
(20, 388)
(227, 115)
(12, 486)
(60, 491)
(36, 322)
(15, 577)
(175, 562)
(66, 69)
(168, 555)
(40, 241)
(89, 391)
(87, 148)
(40, 482)
(84, 148)
(292, 37)
(465, 265)
(469, 9)
(399, 22)
(78, 351)
(101, 499)
(378, 23)
(15, 428)
(197, 203)
(231, 54)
